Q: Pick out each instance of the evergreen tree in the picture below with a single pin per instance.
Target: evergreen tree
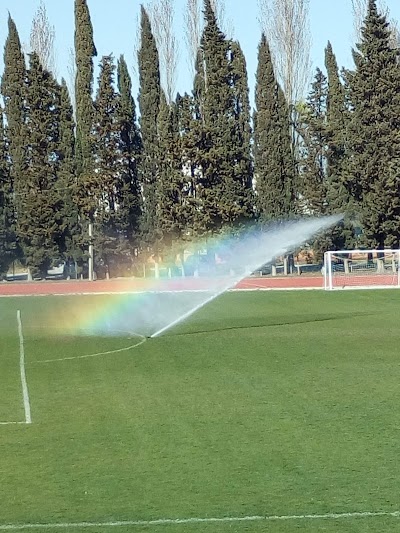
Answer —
(130, 149)
(336, 119)
(314, 150)
(273, 160)
(373, 176)
(12, 89)
(149, 104)
(242, 160)
(339, 200)
(312, 129)
(71, 243)
(7, 234)
(39, 226)
(116, 190)
(191, 142)
(107, 171)
(85, 50)
(171, 212)
(287, 158)
(194, 145)
(199, 85)
(224, 183)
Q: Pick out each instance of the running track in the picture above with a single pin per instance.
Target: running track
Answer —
(41, 288)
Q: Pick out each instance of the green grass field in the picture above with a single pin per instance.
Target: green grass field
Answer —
(262, 403)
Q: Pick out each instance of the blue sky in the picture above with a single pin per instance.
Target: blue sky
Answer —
(115, 24)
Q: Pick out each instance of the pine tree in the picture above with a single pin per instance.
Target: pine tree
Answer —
(12, 89)
(39, 225)
(149, 104)
(7, 234)
(273, 160)
(130, 149)
(373, 176)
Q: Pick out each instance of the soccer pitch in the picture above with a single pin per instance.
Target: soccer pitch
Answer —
(265, 411)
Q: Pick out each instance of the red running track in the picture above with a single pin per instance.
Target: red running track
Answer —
(41, 288)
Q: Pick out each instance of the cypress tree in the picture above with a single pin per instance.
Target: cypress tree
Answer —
(312, 128)
(339, 199)
(71, 243)
(149, 104)
(213, 98)
(287, 159)
(85, 50)
(373, 175)
(273, 160)
(7, 234)
(194, 144)
(115, 183)
(199, 85)
(216, 101)
(241, 157)
(171, 213)
(191, 143)
(106, 176)
(224, 185)
(336, 117)
(130, 149)
(12, 89)
(38, 224)
(314, 132)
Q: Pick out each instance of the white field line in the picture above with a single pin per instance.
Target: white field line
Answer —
(269, 289)
(86, 356)
(101, 293)
(178, 521)
(117, 293)
(234, 289)
(11, 423)
(25, 393)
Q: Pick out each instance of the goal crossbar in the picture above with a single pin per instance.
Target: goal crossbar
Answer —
(361, 268)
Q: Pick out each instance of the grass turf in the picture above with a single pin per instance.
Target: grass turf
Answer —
(276, 403)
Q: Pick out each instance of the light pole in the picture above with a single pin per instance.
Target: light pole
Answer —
(91, 252)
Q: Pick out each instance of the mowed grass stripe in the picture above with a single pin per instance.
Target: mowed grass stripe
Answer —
(258, 404)
(11, 402)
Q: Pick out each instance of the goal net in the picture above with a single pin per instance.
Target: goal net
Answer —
(361, 268)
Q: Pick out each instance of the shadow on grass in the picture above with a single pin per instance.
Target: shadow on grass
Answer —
(311, 320)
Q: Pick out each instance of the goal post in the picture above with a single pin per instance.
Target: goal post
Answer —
(345, 269)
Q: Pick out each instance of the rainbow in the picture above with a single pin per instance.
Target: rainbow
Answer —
(159, 304)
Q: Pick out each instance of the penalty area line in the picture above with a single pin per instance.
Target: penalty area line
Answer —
(179, 521)
(87, 356)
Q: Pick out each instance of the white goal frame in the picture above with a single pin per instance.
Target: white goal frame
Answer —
(348, 269)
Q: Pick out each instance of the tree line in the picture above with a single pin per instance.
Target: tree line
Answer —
(148, 176)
